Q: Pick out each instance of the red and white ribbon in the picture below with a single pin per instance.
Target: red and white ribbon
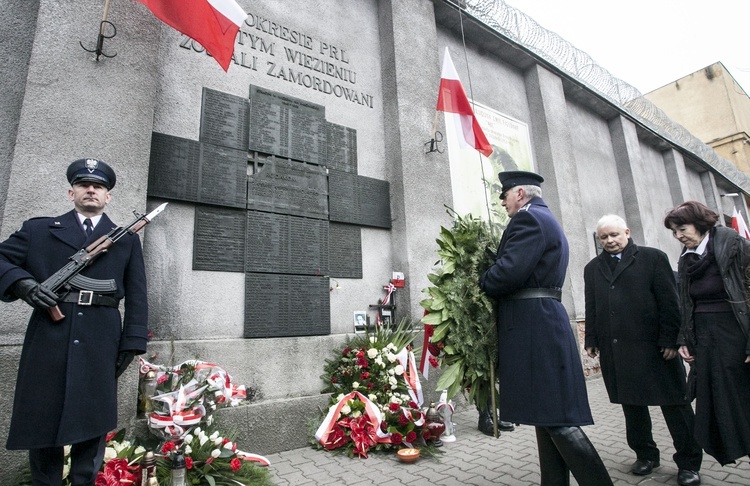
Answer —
(411, 376)
(334, 414)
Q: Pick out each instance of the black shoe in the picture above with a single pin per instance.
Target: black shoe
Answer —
(505, 426)
(641, 467)
(686, 477)
(485, 424)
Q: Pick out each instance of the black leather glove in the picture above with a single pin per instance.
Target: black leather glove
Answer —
(123, 361)
(34, 294)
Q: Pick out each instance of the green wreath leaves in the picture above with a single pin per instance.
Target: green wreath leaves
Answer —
(463, 317)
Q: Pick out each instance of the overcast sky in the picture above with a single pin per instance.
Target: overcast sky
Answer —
(650, 43)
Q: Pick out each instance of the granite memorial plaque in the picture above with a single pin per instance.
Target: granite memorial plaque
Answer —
(223, 176)
(344, 250)
(287, 187)
(341, 148)
(219, 239)
(358, 200)
(174, 168)
(280, 243)
(224, 119)
(286, 305)
(286, 126)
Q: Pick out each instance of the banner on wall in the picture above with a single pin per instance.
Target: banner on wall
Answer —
(511, 146)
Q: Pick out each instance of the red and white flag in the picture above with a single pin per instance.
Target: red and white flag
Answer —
(452, 99)
(738, 223)
(213, 23)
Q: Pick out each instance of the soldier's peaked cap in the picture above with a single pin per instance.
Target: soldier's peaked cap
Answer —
(512, 178)
(92, 170)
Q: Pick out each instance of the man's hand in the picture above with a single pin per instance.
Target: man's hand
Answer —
(123, 361)
(34, 294)
(685, 353)
(668, 353)
(592, 352)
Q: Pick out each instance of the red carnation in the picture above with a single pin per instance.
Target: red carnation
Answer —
(370, 385)
(235, 464)
(413, 404)
(364, 375)
(168, 447)
(411, 437)
(188, 462)
(396, 438)
(361, 354)
(362, 362)
(403, 419)
(434, 362)
(394, 407)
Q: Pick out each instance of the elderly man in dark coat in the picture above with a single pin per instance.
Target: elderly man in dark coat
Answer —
(66, 391)
(632, 322)
(539, 367)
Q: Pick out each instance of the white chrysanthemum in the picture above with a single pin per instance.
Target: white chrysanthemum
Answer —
(355, 385)
(109, 454)
(392, 346)
(392, 381)
(399, 370)
(372, 353)
(379, 361)
(373, 397)
(391, 357)
(391, 372)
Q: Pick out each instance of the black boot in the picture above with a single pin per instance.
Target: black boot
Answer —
(552, 467)
(580, 456)
(485, 423)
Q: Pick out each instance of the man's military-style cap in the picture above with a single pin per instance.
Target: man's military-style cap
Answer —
(512, 178)
(92, 170)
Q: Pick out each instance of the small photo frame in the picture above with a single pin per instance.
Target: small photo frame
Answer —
(360, 321)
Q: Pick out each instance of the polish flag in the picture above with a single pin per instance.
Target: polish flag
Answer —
(739, 224)
(213, 23)
(452, 100)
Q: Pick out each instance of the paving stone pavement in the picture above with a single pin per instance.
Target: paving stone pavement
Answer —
(511, 459)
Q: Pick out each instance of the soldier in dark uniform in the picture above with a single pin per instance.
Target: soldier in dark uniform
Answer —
(66, 391)
(540, 374)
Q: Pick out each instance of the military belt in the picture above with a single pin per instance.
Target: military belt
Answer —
(540, 293)
(87, 297)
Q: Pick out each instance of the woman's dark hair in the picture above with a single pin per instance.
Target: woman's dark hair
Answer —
(692, 212)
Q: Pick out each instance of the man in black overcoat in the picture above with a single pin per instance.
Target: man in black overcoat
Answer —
(66, 391)
(632, 322)
(540, 374)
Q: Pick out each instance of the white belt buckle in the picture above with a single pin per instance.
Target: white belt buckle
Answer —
(85, 297)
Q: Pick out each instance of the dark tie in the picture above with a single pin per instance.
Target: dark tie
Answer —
(88, 226)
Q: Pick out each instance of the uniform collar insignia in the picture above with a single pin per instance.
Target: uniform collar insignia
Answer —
(525, 207)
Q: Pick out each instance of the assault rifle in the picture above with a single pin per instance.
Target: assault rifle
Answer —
(68, 276)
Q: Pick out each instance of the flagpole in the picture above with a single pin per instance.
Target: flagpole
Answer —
(473, 107)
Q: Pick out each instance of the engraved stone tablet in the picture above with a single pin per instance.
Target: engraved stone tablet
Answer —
(358, 200)
(224, 119)
(219, 239)
(341, 148)
(174, 168)
(280, 243)
(286, 126)
(286, 305)
(223, 176)
(288, 187)
(344, 250)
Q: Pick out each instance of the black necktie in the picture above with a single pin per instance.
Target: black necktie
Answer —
(88, 226)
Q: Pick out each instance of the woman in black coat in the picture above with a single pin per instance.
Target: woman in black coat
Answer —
(715, 331)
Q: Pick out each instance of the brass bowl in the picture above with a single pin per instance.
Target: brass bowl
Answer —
(408, 455)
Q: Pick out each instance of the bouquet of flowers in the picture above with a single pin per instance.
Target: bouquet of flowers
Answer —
(375, 394)
(183, 396)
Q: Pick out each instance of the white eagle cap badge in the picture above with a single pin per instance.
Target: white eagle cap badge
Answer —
(91, 165)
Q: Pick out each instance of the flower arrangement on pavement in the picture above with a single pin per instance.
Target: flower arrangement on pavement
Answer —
(375, 394)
